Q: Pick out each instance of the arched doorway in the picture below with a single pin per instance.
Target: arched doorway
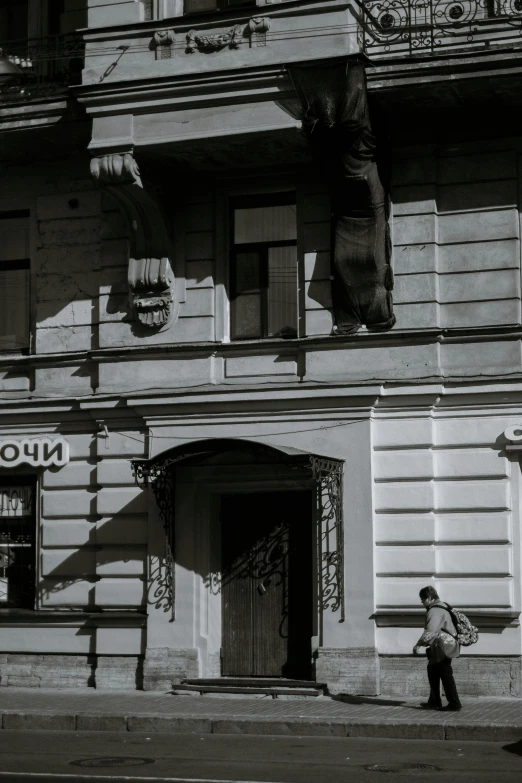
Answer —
(276, 541)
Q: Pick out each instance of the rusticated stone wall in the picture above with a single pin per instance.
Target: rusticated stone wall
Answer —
(475, 676)
(351, 671)
(164, 667)
(19, 670)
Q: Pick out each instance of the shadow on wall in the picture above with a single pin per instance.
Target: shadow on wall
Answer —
(107, 561)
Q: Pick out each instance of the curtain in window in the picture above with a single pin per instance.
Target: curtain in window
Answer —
(336, 122)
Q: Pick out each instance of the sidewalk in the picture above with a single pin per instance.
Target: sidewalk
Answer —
(481, 719)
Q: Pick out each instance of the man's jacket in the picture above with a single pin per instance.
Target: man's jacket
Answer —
(438, 622)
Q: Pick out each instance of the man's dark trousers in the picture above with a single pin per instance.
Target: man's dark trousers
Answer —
(442, 672)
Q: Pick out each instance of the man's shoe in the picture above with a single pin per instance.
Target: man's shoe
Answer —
(428, 705)
(451, 708)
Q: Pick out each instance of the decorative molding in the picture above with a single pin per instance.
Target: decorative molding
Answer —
(397, 617)
(162, 42)
(213, 43)
(256, 30)
(259, 24)
(150, 275)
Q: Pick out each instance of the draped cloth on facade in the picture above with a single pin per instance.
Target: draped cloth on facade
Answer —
(336, 122)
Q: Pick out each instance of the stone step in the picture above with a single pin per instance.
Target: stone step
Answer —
(245, 691)
(255, 682)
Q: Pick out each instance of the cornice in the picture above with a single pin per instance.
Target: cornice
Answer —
(402, 71)
(378, 399)
(263, 83)
(188, 91)
(395, 337)
(414, 618)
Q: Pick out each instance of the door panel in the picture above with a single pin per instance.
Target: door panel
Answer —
(267, 584)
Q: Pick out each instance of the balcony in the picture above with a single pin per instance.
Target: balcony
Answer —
(48, 66)
(406, 28)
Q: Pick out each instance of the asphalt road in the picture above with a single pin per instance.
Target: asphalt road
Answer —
(44, 757)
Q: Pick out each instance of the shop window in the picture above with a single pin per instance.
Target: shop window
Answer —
(17, 545)
(264, 276)
(199, 6)
(14, 281)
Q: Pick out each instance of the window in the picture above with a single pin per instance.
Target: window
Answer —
(14, 281)
(13, 20)
(264, 282)
(198, 6)
(17, 545)
(20, 19)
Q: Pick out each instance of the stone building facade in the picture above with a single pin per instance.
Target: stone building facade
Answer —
(187, 424)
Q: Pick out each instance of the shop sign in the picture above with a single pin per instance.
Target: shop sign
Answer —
(15, 502)
(38, 452)
(514, 434)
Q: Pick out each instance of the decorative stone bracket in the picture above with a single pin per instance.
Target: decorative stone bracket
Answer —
(150, 275)
(162, 42)
(256, 30)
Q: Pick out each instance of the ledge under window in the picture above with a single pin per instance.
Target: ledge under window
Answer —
(414, 618)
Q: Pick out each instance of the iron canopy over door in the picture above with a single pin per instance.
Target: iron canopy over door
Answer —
(267, 584)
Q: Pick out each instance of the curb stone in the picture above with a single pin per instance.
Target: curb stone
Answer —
(17, 720)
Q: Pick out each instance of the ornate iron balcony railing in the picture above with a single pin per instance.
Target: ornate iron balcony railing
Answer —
(48, 65)
(427, 27)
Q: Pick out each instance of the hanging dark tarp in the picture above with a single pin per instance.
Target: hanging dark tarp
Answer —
(336, 122)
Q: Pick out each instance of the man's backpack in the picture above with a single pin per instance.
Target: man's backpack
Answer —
(467, 634)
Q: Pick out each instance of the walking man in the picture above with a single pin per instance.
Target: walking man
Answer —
(439, 628)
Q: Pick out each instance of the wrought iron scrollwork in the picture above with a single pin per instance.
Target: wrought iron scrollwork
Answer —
(330, 541)
(423, 26)
(327, 473)
(162, 590)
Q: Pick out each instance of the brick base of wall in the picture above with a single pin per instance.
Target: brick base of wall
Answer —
(119, 673)
(475, 676)
(353, 670)
(164, 667)
(71, 671)
(213, 665)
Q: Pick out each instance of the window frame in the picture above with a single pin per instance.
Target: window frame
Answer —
(9, 212)
(30, 480)
(221, 7)
(280, 197)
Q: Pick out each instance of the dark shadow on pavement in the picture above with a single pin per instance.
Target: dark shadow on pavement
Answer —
(367, 700)
(514, 747)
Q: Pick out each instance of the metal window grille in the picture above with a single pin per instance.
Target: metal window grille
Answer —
(17, 545)
(430, 26)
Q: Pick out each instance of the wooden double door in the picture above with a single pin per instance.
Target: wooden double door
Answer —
(267, 584)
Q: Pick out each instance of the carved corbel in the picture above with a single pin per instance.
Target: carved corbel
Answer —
(257, 29)
(162, 42)
(150, 275)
